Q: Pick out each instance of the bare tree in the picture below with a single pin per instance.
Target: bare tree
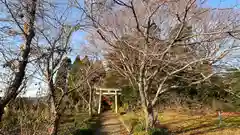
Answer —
(25, 23)
(156, 44)
(47, 42)
(52, 61)
(54, 65)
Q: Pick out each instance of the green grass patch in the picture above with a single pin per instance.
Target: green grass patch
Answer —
(79, 124)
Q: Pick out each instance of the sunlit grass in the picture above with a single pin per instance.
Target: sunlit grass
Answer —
(183, 123)
(132, 119)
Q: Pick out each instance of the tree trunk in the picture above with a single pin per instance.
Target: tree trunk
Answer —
(90, 109)
(56, 123)
(13, 88)
(147, 108)
(1, 112)
(90, 100)
(54, 107)
(149, 115)
(90, 103)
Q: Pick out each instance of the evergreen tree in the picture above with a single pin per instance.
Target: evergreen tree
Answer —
(82, 69)
(61, 78)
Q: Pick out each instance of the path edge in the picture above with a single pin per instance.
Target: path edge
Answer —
(123, 123)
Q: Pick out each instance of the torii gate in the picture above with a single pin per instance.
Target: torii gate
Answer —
(107, 91)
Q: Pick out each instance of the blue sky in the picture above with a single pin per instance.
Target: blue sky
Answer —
(78, 37)
(223, 3)
(76, 40)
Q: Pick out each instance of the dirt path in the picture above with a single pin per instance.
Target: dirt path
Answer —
(110, 125)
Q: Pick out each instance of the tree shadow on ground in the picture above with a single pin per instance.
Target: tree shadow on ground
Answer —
(207, 126)
(93, 125)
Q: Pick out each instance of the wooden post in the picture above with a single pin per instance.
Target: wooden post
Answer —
(116, 103)
(100, 100)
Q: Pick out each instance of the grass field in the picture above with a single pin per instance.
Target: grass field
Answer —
(183, 123)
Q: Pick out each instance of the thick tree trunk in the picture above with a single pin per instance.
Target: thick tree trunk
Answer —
(147, 108)
(150, 117)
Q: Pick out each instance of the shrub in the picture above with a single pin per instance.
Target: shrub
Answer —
(158, 131)
(129, 97)
(139, 127)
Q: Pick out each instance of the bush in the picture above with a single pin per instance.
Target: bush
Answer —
(25, 122)
(129, 97)
(139, 127)
(124, 108)
(158, 131)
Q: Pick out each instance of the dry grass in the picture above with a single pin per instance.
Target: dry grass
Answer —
(183, 123)
(131, 119)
